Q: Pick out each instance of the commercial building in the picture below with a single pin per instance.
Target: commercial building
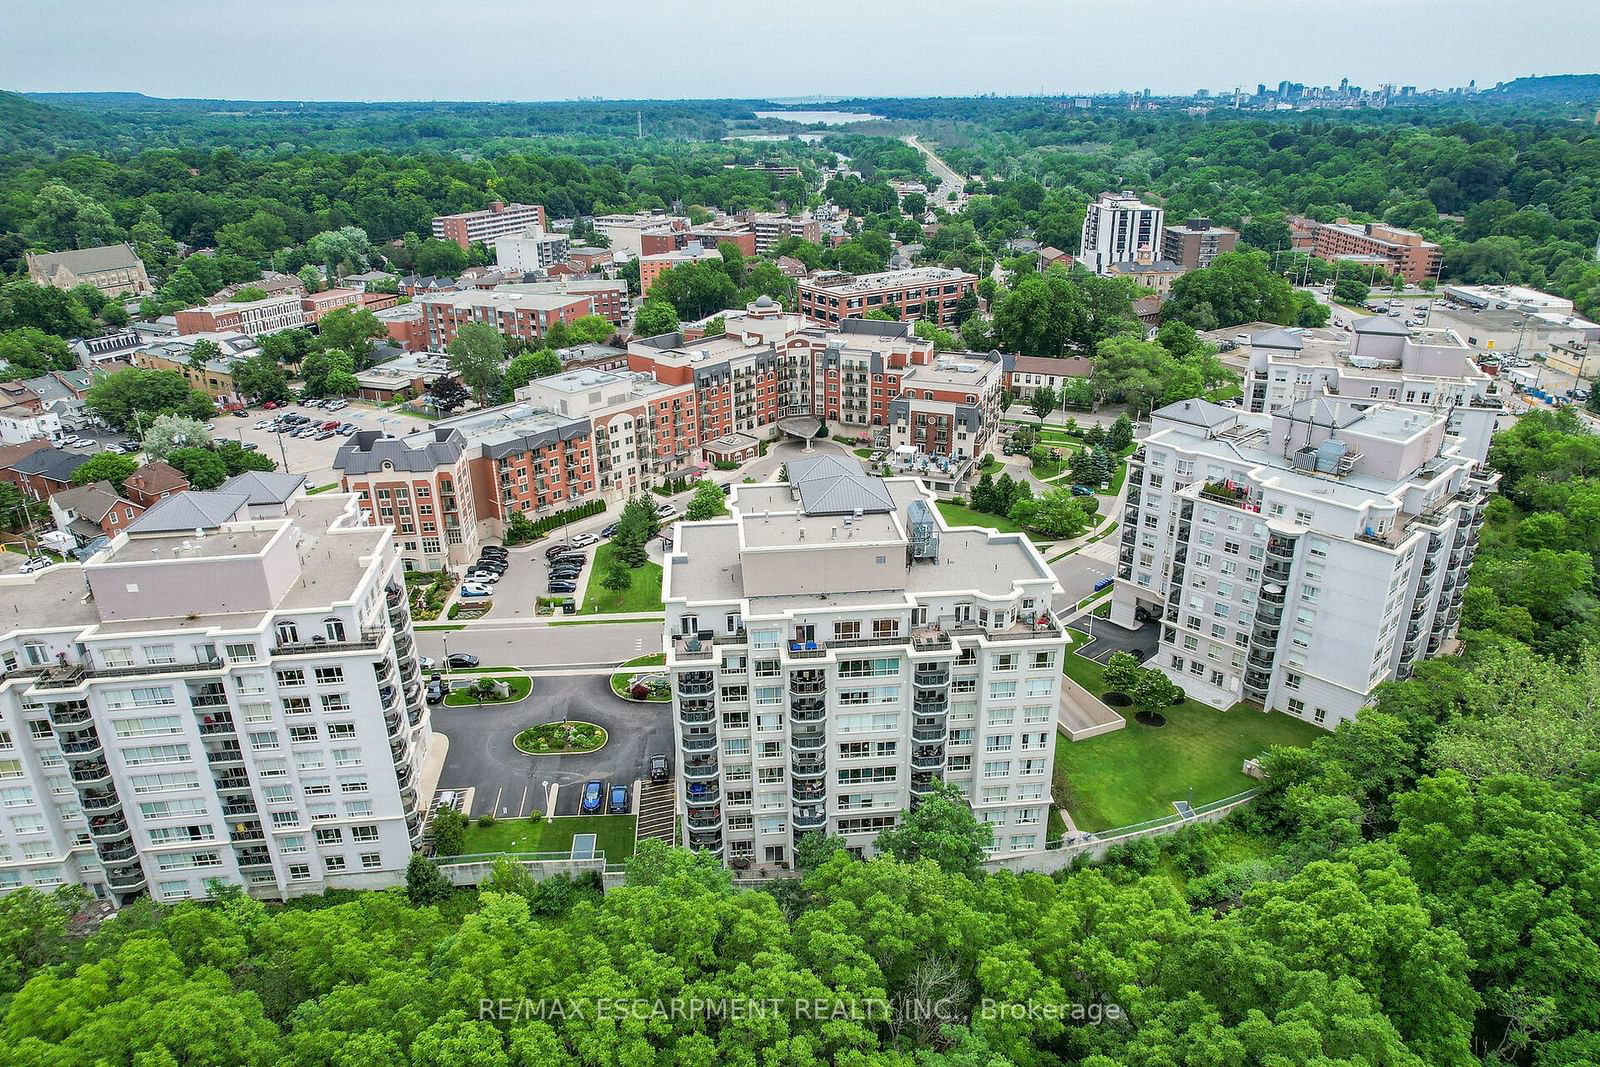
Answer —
(252, 317)
(1403, 251)
(1027, 374)
(274, 736)
(115, 270)
(402, 378)
(837, 651)
(1196, 243)
(1379, 361)
(1297, 560)
(531, 251)
(214, 376)
(487, 226)
(608, 297)
(1115, 228)
(725, 231)
(920, 293)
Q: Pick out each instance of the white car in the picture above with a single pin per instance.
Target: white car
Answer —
(666, 510)
(425, 662)
(584, 540)
(483, 577)
(70, 439)
(35, 563)
(474, 589)
(263, 424)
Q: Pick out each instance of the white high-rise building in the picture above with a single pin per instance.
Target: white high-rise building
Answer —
(1115, 228)
(1379, 361)
(532, 250)
(835, 649)
(229, 690)
(1296, 560)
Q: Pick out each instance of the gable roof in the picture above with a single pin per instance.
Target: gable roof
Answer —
(1381, 324)
(264, 487)
(87, 260)
(9, 454)
(189, 511)
(155, 478)
(1061, 366)
(90, 501)
(57, 464)
(1197, 413)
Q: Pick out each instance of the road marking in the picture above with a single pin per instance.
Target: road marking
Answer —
(550, 806)
(524, 805)
(495, 807)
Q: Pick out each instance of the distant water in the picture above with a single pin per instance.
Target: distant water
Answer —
(819, 118)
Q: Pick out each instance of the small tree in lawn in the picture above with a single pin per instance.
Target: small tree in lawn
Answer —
(449, 831)
(519, 529)
(482, 689)
(707, 503)
(618, 579)
(1042, 403)
(1120, 435)
(1122, 672)
(1152, 692)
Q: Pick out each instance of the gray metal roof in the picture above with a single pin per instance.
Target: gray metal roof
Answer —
(54, 463)
(264, 487)
(1197, 413)
(829, 485)
(1381, 324)
(193, 510)
(368, 450)
(875, 327)
(1277, 339)
(88, 260)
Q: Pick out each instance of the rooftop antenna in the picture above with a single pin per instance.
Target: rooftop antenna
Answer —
(640, 114)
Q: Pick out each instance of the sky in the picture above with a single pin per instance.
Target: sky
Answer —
(671, 49)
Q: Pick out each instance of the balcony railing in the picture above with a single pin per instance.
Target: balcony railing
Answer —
(369, 639)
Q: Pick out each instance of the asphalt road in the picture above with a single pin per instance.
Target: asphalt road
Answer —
(542, 645)
(510, 784)
(1079, 571)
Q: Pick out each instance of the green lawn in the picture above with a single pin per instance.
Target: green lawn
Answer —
(520, 686)
(643, 595)
(957, 515)
(1135, 773)
(613, 835)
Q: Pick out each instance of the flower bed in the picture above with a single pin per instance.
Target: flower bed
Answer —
(561, 738)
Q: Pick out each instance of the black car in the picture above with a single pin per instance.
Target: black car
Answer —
(496, 565)
(493, 550)
(564, 564)
(558, 548)
(461, 660)
(617, 802)
(726, 487)
(435, 690)
(658, 767)
(561, 587)
(610, 531)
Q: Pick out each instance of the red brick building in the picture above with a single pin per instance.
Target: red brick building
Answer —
(918, 293)
(1408, 253)
(154, 481)
(528, 316)
(316, 305)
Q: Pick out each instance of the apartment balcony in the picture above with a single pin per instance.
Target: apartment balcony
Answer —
(129, 879)
(931, 679)
(1425, 588)
(218, 726)
(107, 827)
(394, 721)
(809, 768)
(806, 819)
(69, 713)
(924, 785)
(703, 819)
(394, 594)
(807, 686)
(369, 640)
(91, 772)
(708, 797)
(808, 742)
(928, 733)
(415, 712)
(710, 843)
(239, 811)
(1428, 568)
(233, 782)
(254, 856)
(80, 745)
(696, 717)
(696, 684)
(246, 836)
(225, 755)
(1409, 650)
(1281, 548)
(118, 851)
(700, 743)
(99, 801)
(1260, 657)
(807, 792)
(1419, 609)
(928, 759)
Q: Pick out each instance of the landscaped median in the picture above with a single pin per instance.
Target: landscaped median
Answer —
(613, 835)
(507, 689)
(562, 738)
(624, 684)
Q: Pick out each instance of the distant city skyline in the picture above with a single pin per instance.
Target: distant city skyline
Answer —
(487, 50)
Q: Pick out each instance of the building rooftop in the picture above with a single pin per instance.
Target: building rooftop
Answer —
(892, 279)
(367, 451)
(189, 512)
(512, 428)
(264, 487)
(88, 260)
(961, 370)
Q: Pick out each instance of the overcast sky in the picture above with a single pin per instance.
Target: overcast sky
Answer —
(668, 49)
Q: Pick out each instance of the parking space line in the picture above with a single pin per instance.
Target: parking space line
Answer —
(494, 809)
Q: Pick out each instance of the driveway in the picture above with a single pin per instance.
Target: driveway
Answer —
(1109, 638)
(1079, 571)
(510, 784)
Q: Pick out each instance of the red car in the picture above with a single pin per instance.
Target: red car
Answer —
(269, 405)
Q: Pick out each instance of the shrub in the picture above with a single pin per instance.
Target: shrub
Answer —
(485, 820)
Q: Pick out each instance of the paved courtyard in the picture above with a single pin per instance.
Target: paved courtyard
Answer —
(1108, 638)
(510, 784)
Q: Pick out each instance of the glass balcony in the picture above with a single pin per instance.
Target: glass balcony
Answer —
(700, 770)
(809, 768)
(699, 744)
(809, 818)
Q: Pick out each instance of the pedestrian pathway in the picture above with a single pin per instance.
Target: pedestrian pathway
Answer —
(657, 812)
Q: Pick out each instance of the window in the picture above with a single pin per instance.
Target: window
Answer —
(371, 861)
(299, 735)
(363, 833)
(330, 675)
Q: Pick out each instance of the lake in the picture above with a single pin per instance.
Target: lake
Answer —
(820, 118)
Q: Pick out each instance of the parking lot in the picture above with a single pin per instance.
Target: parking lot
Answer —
(510, 784)
(305, 455)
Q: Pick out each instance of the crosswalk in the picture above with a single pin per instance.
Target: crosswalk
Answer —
(657, 812)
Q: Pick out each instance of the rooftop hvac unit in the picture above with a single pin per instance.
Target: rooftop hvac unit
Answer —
(923, 530)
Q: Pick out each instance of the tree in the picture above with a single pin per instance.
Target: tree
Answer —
(436, 258)
(1122, 672)
(1266, 234)
(341, 250)
(446, 394)
(201, 466)
(353, 331)
(1042, 401)
(237, 460)
(1059, 515)
(449, 828)
(105, 467)
(636, 526)
(1120, 436)
(28, 352)
(310, 277)
(44, 308)
(706, 503)
(716, 326)
(1153, 691)
(695, 290)
(262, 377)
(941, 829)
(476, 354)
(530, 366)
(128, 399)
(617, 577)
(655, 317)
(425, 883)
(168, 432)
(1238, 287)
(1351, 291)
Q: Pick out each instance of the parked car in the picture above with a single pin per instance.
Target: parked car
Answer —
(347, 429)
(566, 577)
(482, 578)
(426, 662)
(611, 530)
(262, 424)
(472, 589)
(584, 540)
(561, 587)
(331, 424)
(666, 510)
(312, 402)
(70, 439)
(435, 691)
(493, 550)
(249, 446)
(271, 405)
(618, 804)
(558, 549)
(1082, 490)
(658, 767)
(589, 803)
(461, 660)
(35, 563)
(323, 435)
(240, 413)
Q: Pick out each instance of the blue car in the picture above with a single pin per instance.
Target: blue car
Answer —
(590, 804)
(610, 531)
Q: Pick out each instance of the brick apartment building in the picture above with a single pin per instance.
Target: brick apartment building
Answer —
(608, 297)
(652, 267)
(316, 305)
(252, 317)
(494, 221)
(922, 292)
(527, 316)
(1196, 243)
(1407, 253)
(589, 432)
(419, 485)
